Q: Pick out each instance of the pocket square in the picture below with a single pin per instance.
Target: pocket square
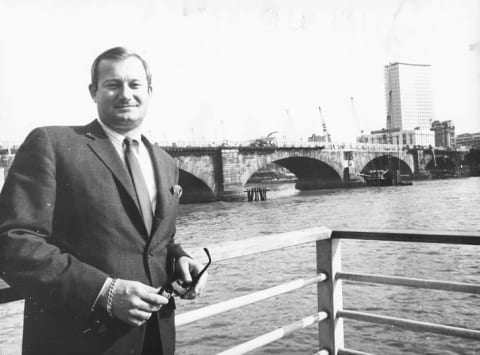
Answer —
(176, 191)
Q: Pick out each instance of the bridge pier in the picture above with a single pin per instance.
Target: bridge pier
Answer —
(420, 160)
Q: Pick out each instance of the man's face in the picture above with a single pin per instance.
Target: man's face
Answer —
(122, 94)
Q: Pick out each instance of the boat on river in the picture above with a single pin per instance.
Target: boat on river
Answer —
(378, 178)
(384, 177)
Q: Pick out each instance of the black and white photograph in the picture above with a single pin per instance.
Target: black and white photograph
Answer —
(200, 177)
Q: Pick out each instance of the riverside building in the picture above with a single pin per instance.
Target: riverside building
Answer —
(469, 140)
(412, 137)
(444, 134)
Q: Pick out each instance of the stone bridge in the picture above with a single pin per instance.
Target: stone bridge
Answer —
(220, 173)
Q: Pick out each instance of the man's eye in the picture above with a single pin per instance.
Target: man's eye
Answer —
(135, 85)
(112, 85)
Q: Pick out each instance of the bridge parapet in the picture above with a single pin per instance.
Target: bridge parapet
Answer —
(283, 144)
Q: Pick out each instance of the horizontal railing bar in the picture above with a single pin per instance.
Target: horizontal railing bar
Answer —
(411, 282)
(275, 335)
(417, 236)
(208, 311)
(234, 249)
(255, 245)
(351, 352)
(411, 324)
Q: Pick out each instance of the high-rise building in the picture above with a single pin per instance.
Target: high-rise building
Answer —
(408, 93)
(444, 134)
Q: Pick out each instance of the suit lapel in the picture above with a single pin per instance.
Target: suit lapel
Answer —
(100, 144)
(105, 151)
(161, 182)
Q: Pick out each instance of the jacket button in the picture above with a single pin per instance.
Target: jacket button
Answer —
(150, 255)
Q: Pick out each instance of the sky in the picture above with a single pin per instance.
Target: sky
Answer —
(239, 69)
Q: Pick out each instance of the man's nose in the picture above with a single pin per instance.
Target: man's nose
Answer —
(126, 91)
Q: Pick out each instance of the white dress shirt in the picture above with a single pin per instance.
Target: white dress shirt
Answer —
(142, 155)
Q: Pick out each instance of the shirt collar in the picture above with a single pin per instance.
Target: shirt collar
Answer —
(118, 137)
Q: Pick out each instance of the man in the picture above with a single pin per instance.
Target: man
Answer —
(87, 219)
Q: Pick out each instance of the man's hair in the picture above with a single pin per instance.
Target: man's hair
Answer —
(117, 53)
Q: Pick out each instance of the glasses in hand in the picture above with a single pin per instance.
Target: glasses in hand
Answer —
(181, 288)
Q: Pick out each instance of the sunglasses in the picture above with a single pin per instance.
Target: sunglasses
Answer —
(172, 288)
(181, 288)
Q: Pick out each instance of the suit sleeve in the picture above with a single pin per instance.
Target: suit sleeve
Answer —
(30, 261)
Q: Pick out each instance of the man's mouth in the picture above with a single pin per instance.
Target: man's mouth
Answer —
(125, 107)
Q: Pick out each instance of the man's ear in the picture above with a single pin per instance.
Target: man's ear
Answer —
(150, 89)
(93, 91)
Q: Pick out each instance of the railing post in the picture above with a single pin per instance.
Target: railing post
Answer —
(330, 295)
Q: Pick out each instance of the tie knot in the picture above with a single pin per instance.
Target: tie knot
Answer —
(130, 142)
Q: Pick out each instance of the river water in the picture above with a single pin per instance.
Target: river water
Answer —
(438, 205)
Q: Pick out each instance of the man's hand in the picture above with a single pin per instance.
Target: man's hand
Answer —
(187, 268)
(133, 302)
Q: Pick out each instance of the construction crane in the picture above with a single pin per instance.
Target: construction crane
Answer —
(324, 126)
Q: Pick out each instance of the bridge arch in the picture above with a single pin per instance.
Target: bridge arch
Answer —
(388, 162)
(311, 173)
(441, 162)
(442, 166)
(197, 185)
(309, 165)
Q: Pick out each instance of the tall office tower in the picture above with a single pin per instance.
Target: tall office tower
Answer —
(408, 92)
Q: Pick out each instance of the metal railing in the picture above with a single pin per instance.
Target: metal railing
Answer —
(329, 286)
(331, 314)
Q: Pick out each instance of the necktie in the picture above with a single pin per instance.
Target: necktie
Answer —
(143, 196)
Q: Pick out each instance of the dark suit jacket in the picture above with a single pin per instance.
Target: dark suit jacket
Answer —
(68, 219)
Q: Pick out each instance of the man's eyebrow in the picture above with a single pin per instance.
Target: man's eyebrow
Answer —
(112, 80)
(120, 79)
